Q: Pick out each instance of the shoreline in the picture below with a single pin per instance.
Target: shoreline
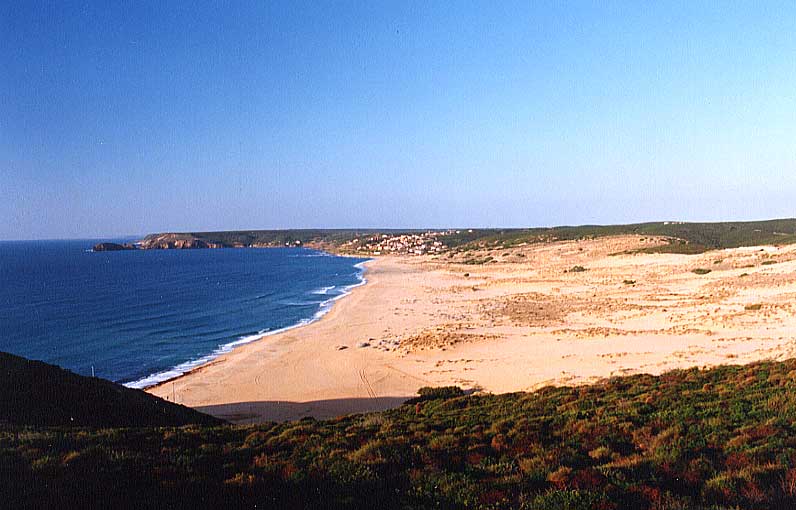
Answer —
(357, 397)
(192, 365)
(319, 316)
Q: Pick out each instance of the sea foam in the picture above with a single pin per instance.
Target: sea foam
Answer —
(323, 308)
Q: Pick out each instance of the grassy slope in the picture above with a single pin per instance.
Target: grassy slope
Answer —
(35, 393)
(695, 237)
(721, 438)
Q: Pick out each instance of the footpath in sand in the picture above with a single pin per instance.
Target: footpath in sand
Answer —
(522, 322)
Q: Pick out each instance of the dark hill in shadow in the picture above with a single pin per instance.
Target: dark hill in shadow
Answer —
(38, 394)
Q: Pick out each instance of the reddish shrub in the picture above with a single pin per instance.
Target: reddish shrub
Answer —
(499, 443)
(736, 461)
(587, 479)
(492, 497)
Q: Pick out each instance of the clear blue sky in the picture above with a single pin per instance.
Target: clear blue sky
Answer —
(145, 117)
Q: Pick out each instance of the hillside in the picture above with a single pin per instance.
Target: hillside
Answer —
(685, 237)
(720, 438)
(251, 238)
(38, 394)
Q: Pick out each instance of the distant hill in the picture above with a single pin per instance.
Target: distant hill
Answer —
(37, 394)
(251, 238)
(685, 237)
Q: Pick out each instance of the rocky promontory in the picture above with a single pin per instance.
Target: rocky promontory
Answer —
(114, 247)
(228, 239)
(177, 242)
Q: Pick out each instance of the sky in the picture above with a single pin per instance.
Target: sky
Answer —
(149, 116)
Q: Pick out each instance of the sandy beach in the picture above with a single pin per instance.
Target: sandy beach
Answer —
(524, 321)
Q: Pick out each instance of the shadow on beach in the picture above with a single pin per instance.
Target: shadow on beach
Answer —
(265, 411)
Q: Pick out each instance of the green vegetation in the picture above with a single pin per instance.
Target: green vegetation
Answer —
(477, 261)
(280, 237)
(721, 438)
(688, 238)
(428, 393)
(576, 269)
(701, 270)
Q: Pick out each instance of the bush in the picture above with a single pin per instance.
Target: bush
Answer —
(701, 270)
(443, 392)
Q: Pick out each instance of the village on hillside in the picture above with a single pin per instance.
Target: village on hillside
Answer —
(430, 242)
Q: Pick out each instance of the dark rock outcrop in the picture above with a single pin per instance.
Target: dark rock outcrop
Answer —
(114, 247)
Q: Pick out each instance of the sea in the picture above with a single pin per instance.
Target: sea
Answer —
(145, 316)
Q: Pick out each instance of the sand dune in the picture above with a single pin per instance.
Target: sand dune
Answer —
(524, 321)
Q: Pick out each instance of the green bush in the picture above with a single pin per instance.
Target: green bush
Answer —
(443, 392)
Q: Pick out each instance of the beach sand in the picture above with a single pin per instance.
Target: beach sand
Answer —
(517, 324)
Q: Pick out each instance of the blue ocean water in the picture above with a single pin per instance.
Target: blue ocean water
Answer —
(139, 317)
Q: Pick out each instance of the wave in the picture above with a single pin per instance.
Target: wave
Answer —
(323, 308)
(323, 290)
(298, 303)
(187, 366)
(312, 254)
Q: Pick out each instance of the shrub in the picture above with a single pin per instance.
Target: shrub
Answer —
(701, 270)
(443, 392)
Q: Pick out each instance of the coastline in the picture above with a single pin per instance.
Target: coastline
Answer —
(167, 375)
(520, 323)
(183, 388)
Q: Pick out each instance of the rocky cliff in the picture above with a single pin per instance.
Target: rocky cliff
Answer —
(177, 242)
